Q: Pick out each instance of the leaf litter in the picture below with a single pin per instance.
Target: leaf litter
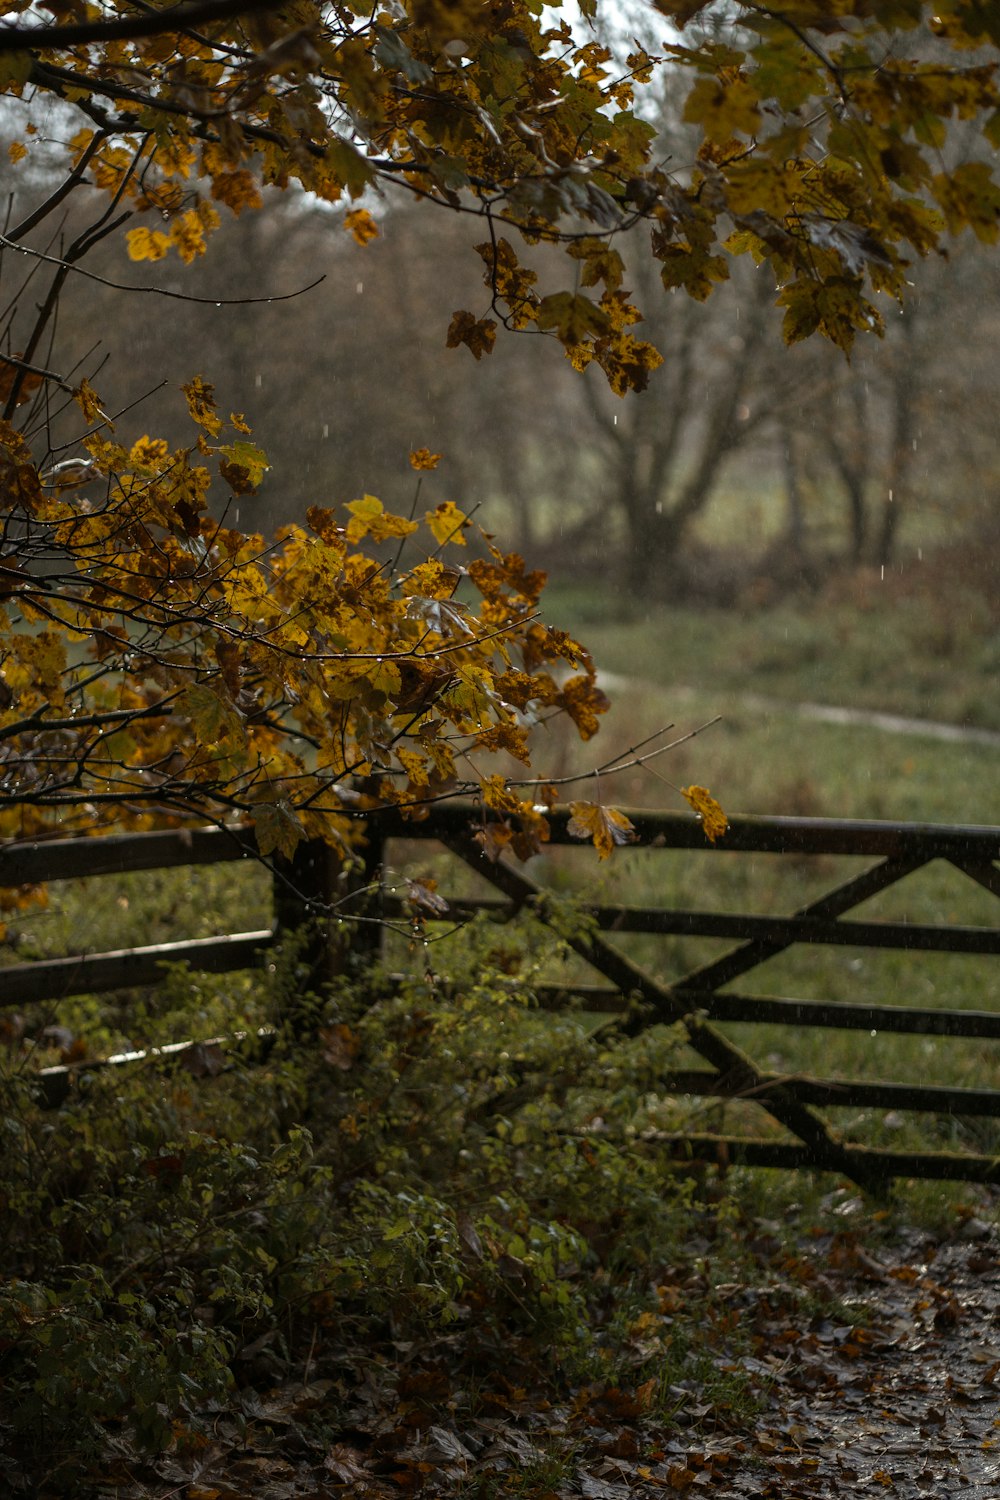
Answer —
(844, 1363)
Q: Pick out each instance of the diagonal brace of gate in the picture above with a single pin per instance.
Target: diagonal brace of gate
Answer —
(737, 961)
(726, 1058)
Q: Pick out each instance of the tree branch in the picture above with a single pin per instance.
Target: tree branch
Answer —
(176, 18)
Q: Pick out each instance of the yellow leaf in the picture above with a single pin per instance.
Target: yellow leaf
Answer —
(572, 317)
(713, 819)
(147, 244)
(497, 795)
(37, 663)
(89, 401)
(583, 700)
(277, 828)
(242, 466)
(237, 190)
(723, 106)
(479, 334)
(423, 458)
(446, 522)
(201, 404)
(213, 718)
(370, 518)
(604, 826)
(188, 234)
(17, 151)
(148, 453)
(359, 223)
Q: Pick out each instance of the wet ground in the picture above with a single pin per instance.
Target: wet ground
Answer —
(907, 1406)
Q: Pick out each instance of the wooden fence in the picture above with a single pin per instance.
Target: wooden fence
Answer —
(306, 887)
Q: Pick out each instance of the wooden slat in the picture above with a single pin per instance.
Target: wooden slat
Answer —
(920, 841)
(777, 932)
(868, 1162)
(835, 1092)
(96, 973)
(73, 859)
(56, 1084)
(842, 1015)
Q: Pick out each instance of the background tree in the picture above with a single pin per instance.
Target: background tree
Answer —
(161, 662)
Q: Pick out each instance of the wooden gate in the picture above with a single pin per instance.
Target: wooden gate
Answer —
(638, 999)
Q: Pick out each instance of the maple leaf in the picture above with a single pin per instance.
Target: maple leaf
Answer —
(148, 453)
(583, 700)
(213, 718)
(242, 466)
(277, 828)
(724, 106)
(361, 226)
(422, 893)
(447, 617)
(497, 795)
(447, 523)
(340, 1046)
(147, 244)
(201, 404)
(713, 819)
(423, 459)
(370, 518)
(20, 484)
(493, 838)
(187, 235)
(88, 401)
(237, 190)
(572, 317)
(604, 826)
(478, 334)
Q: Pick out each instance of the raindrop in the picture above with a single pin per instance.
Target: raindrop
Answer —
(874, 1033)
(360, 288)
(326, 429)
(258, 381)
(920, 554)
(882, 573)
(616, 419)
(218, 304)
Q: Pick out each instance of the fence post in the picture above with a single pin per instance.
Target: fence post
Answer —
(316, 895)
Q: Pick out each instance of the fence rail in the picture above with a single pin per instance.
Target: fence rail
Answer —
(638, 1000)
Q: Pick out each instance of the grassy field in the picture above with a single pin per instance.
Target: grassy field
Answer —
(930, 654)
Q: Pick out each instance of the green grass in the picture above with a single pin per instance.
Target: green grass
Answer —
(922, 646)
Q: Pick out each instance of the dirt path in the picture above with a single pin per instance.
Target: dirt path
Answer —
(964, 734)
(908, 1407)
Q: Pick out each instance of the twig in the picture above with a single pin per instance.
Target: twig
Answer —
(157, 291)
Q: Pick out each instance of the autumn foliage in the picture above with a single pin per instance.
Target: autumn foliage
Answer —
(161, 664)
(157, 662)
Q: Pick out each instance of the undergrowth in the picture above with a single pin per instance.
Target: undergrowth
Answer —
(172, 1237)
(422, 1191)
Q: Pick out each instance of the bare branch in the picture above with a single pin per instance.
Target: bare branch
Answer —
(158, 23)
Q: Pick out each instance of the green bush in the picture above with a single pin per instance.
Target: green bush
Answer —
(428, 1158)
